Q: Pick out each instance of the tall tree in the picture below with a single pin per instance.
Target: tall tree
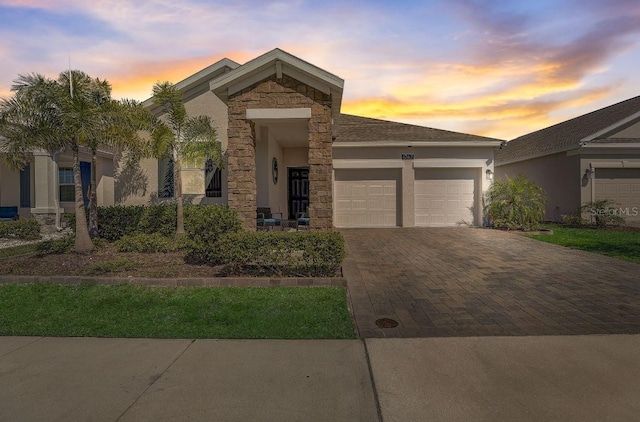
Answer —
(121, 125)
(56, 115)
(183, 138)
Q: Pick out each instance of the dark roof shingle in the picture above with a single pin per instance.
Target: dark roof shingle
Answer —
(364, 129)
(566, 135)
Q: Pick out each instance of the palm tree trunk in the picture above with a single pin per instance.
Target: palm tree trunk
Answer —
(93, 199)
(180, 208)
(83, 241)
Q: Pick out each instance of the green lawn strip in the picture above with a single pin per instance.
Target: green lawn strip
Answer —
(618, 244)
(165, 312)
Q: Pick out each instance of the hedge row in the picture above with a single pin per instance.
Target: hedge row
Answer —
(203, 223)
(271, 253)
(20, 229)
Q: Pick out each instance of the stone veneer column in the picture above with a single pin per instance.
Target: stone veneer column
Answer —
(241, 153)
(320, 167)
(285, 92)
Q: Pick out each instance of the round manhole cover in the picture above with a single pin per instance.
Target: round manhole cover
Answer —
(386, 323)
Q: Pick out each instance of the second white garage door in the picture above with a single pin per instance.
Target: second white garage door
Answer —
(445, 196)
(621, 186)
(366, 198)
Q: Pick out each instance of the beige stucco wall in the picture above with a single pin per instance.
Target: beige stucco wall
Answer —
(558, 174)
(139, 186)
(277, 191)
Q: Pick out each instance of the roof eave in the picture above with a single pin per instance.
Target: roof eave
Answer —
(387, 144)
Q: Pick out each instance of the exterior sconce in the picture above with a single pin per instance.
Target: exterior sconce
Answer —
(489, 174)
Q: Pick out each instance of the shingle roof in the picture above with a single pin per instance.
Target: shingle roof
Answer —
(566, 135)
(364, 129)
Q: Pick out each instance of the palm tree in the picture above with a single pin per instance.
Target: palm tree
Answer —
(56, 116)
(182, 137)
(121, 125)
(515, 204)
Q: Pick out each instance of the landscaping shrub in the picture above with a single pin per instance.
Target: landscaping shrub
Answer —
(205, 223)
(159, 218)
(21, 229)
(146, 243)
(57, 246)
(603, 213)
(515, 204)
(315, 254)
(118, 221)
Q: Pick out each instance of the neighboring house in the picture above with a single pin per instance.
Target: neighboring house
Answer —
(46, 185)
(591, 157)
(288, 147)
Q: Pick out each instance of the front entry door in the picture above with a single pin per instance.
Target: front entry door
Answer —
(298, 191)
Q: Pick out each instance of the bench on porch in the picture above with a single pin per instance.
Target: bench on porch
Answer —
(9, 213)
(266, 220)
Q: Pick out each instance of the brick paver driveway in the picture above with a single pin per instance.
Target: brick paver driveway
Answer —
(476, 282)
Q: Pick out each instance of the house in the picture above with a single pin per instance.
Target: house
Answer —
(589, 158)
(288, 147)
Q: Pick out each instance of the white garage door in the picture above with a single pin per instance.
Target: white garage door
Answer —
(445, 197)
(622, 186)
(366, 198)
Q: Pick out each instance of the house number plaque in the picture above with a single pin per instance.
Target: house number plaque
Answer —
(407, 156)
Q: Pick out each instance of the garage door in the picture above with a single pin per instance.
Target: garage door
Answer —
(366, 198)
(622, 186)
(445, 197)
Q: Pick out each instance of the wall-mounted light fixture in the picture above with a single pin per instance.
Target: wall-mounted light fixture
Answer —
(489, 174)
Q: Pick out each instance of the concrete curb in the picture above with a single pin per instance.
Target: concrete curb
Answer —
(184, 282)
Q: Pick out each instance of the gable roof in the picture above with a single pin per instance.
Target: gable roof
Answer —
(573, 133)
(365, 131)
(199, 82)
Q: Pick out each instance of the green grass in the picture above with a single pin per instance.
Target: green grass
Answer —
(17, 250)
(165, 312)
(618, 244)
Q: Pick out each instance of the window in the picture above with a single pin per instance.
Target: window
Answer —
(25, 187)
(165, 178)
(213, 180)
(67, 188)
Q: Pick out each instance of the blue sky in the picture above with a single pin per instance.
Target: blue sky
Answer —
(495, 68)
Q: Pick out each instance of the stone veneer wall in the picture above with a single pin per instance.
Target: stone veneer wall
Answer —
(280, 93)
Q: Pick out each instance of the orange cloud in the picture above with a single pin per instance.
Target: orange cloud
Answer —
(137, 79)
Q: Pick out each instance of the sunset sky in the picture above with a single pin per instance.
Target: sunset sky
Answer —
(495, 68)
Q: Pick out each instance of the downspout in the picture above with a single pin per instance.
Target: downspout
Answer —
(592, 177)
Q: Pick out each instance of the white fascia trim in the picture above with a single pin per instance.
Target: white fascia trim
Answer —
(613, 145)
(273, 56)
(621, 164)
(367, 164)
(453, 144)
(448, 163)
(245, 83)
(278, 113)
(611, 127)
(306, 79)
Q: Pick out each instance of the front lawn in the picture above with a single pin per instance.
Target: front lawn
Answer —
(623, 244)
(170, 312)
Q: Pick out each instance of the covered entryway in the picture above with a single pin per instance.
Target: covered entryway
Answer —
(366, 198)
(622, 186)
(445, 197)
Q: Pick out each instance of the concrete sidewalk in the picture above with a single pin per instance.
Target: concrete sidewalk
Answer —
(581, 378)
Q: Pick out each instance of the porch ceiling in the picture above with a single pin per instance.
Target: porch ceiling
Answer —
(289, 133)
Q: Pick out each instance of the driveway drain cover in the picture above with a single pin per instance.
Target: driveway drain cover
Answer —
(386, 323)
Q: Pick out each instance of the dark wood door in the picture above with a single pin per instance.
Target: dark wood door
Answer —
(298, 191)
